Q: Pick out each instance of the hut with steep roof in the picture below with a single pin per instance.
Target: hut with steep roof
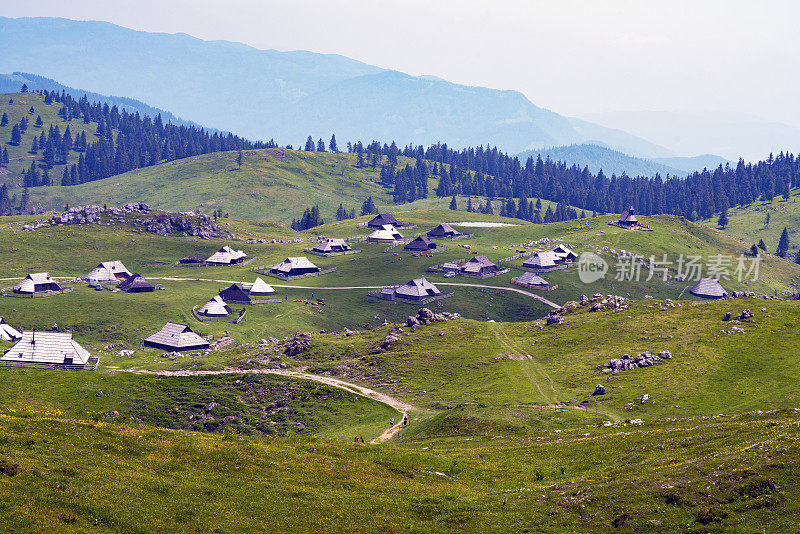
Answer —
(332, 246)
(478, 266)
(136, 283)
(532, 280)
(109, 271)
(8, 332)
(235, 294)
(708, 288)
(627, 219)
(176, 337)
(259, 288)
(444, 230)
(36, 283)
(385, 234)
(294, 266)
(226, 256)
(47, 349)
(383, 219)
(421, 243)
(215, 307)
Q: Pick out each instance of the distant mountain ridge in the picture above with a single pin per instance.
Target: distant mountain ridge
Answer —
(263, 94)
(597, 157)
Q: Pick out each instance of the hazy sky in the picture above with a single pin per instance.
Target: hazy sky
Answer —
(570, 56)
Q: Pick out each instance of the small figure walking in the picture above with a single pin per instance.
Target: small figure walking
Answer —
(391, 422)
(405, 420)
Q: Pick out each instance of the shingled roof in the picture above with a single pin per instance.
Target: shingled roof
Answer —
(258, 288)
(294, 265)
(531, 279)
(109, 271)
(382, 219)
(478, 265)
(37, 283)
(215, 307)
(136, 283)
(234, 293)
(226, 256)
(174, 337)
(8, 332)
(385, 234)
(541, 260)
(709, 288)
(420, 243)
(628, 218)
(417, 289)
(332, 245)
(54, 348)
(444, 230)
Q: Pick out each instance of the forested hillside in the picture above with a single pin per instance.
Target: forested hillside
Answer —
(51, 138)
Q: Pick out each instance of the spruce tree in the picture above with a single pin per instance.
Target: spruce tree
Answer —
(4, 120)
(762, 245)
(332, 145)
(783, 243)
(722, 222)
(16, 136)
(309, 144)
(453, 204)
(320, 145)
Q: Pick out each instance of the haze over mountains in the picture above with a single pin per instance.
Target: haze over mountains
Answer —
(265, 94)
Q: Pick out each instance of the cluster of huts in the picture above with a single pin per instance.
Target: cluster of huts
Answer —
(219, 305)
(548, 260)
(224, 257)
(477, 266)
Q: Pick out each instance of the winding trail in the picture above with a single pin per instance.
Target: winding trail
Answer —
(336, 288)
(399, 405)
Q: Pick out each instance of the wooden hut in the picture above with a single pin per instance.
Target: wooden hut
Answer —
(332, 246)
(8, 332)
(176, 337)
(51, 349)
(234, 293)
(529, 279)
(541, 261)
(564, 254)
(136, 283)
(294, 266)
(478, 266)
(421, 243)
(36, 283)
(109, 271)
(444, 230)
(628, 219)
(708, 288)
(215, 307)
(385, 234)
(226, 256)
(417, 289)
(382, 220)
(259, 288)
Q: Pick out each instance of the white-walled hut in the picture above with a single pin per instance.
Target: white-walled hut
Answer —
(215, 307)
(176, 337)
(36, 283)
(708, 288)
(8, 332)
(47, 349)
(332, 246)
(385, 234)
(109, 271)
(259, 288)
(226, 256)
(294, 266)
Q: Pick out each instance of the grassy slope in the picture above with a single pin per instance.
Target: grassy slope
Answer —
(727, 474)
(268, 186)
(19, 156)
(116, 317)
(748, 222)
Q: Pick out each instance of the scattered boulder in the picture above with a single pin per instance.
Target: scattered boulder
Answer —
(389, 340)
(554, 319)
(599, 389)
(299, 344)
(746, 315)
(727, 316)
